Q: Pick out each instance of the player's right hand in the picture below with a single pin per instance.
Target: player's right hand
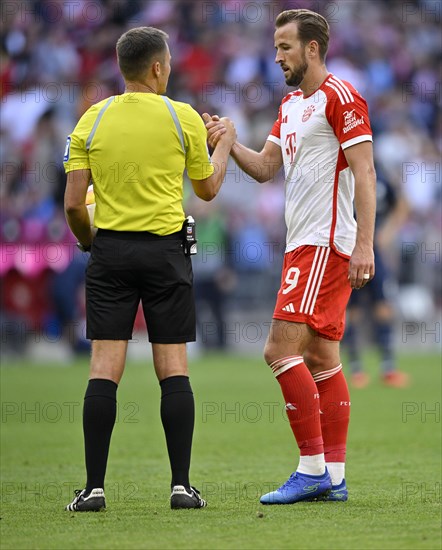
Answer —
(230, 134)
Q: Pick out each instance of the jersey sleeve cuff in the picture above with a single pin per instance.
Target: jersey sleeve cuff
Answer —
(274, 139)
(202, 173)
(77, 166)
(356, 140)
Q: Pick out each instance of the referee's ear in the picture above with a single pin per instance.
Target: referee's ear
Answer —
(156, 68)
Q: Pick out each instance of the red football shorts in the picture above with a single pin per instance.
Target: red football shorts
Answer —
(314, 290)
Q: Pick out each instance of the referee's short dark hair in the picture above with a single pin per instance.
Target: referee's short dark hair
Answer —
(137, 48)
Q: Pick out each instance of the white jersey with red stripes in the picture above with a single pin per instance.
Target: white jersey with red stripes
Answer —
(313, 132)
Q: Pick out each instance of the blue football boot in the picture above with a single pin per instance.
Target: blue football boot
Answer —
(299, 487)
(338, 493)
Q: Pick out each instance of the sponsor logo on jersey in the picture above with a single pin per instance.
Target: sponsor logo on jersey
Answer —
(350, 121)
(290, 407)
(308, 113)
(285, 119)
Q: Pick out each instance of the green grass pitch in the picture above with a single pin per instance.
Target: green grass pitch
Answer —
(242, 447)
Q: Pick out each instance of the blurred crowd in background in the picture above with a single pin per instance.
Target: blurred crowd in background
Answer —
(58, 58)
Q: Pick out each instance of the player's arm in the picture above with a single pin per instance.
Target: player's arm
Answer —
(360, 161)
(208, 188)
(260, 166)
(75, 205)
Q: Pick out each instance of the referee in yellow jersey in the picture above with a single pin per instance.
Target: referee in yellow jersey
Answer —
(134, 147)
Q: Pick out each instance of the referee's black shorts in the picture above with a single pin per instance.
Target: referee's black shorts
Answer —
(126, 267)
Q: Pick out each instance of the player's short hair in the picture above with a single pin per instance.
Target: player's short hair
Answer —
(138, 48)
(311, 26)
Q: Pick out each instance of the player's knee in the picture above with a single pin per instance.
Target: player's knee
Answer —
(314, 361)
(271, 353)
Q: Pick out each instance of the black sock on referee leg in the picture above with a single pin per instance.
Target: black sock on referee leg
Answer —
(99, 413)
(178, 418)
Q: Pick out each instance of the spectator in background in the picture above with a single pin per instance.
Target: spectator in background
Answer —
(214, 279)
(378, 296)
(66, 289)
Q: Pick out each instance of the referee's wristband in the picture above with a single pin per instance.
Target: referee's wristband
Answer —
(83, 248)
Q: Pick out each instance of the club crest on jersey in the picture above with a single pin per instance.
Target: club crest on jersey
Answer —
(308, 113)
(350, 121)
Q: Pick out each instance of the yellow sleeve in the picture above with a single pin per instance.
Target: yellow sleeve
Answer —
(198, 163)
(76, 156)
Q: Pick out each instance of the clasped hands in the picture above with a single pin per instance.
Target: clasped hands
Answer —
(219, 129)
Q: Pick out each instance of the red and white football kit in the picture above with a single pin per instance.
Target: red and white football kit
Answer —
(313, 133)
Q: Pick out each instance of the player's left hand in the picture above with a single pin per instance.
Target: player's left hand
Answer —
(361, 269)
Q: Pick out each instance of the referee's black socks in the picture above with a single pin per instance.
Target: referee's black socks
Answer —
(99, 413)
(178, 418)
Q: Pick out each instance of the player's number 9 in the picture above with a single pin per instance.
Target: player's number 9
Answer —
(291, 279)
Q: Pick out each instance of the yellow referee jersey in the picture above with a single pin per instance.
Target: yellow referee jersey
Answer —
(137, 146)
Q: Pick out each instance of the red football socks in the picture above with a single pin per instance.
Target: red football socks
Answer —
(302, 403)
(335, 412)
